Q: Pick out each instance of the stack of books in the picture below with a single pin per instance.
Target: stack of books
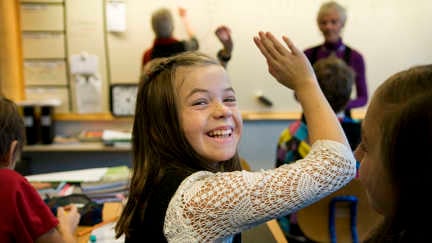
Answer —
(105, 184)
(112, 187)
(117, 138)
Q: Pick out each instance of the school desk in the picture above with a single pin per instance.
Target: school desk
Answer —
(111, 211)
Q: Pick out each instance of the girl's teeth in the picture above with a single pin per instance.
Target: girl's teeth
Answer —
(220, 133)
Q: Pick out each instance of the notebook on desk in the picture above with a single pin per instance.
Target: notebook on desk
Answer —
(105, 233)
(85, 175)
(102, 174)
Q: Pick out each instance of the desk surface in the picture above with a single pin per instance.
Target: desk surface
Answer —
(110, 211)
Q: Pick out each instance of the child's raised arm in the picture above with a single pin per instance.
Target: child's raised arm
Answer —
(291, 68)
(184, 18)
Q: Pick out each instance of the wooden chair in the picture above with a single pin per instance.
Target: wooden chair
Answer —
(314, 219)
(269, 232)
(244, 164)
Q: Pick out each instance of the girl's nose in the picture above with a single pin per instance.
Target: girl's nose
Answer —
(221, 110)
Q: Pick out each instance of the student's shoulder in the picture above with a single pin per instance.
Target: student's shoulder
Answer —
(309, 50)
(355, 53)
(11, 182)
(10, 176)
(296, 129)
(191, 44)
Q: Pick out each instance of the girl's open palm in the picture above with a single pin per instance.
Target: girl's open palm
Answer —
(289, 66)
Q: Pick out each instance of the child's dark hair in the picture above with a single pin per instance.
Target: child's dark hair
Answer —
(336, 79)
(11, 127)
(158, 140)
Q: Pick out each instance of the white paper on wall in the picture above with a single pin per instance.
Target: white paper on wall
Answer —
(88, 93)
(84, 64)
(116, 16)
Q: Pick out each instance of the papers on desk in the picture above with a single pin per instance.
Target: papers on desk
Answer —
(85, 175)
(106, 234)
(117, 138)
(113, 187)
(107, 184)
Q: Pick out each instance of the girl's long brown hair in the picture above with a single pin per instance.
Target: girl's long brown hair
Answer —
(158, 140)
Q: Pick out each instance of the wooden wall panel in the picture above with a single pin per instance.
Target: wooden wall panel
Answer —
(11, 70)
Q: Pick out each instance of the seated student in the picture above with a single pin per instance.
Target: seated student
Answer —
(187, 185)
(24, 216)
(335, 78)
(395, 158)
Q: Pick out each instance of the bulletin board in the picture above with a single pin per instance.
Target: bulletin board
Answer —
(391, 34)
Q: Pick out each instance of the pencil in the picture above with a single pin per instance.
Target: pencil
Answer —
(89, 230)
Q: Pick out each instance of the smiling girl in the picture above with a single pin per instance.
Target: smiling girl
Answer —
(187, 185)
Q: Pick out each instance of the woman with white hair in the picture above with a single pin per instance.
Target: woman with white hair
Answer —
(331, 20)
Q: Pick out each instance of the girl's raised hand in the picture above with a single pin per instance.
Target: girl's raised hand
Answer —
(289, 66)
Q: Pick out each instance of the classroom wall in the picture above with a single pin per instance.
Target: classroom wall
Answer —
(391, 34)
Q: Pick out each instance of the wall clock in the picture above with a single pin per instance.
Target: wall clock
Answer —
(123, 99)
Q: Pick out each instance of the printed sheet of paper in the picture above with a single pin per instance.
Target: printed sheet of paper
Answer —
(116, 16)
(94, 174)
(45, 72)
(84, 64)
(88, 93)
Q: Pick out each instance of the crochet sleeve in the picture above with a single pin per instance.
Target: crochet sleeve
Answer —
(209, 206)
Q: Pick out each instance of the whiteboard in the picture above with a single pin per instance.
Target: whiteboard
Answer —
(391, 34)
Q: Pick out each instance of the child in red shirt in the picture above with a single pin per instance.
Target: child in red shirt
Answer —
(24, 216)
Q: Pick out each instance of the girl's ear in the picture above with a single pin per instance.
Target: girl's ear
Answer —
(11, 155)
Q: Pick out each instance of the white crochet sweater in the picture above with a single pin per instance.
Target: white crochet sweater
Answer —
(212, 207)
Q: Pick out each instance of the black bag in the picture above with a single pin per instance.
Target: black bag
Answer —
(91, 212)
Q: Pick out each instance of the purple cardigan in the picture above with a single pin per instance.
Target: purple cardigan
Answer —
(356, 62)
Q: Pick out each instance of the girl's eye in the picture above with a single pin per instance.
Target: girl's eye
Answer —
(230, 99)
(200, 102)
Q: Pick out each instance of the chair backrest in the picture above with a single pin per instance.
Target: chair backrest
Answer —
(269, 232)
(244, 164)
(314, 219)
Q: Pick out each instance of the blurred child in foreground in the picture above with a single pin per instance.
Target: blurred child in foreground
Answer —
(24, 216)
